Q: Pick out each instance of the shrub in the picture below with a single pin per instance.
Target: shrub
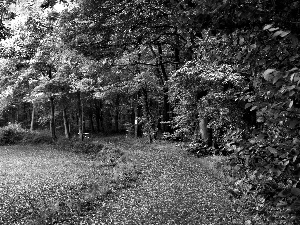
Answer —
(200, 149)
(266, 178)
(11, 134)
(37, 137)
(86, 147)
(14, 134)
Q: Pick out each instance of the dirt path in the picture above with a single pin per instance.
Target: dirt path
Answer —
(175, 189)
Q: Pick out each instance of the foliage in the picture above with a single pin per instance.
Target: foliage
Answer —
(36, 137)
(204, 89)
(11, 134)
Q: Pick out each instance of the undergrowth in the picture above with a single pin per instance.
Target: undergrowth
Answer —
(261, 174)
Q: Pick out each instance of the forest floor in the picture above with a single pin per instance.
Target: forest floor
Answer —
(172, 187)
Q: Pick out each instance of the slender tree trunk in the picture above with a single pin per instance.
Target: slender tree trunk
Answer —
(52, 109)
(92, 129)
(117, 120)
(80, 121)
(137, 126)
(166, 110)
(117, 115)
(177, 53)
(166, 104)
(17, 113)
(25, 114)
(204, 129)
(136, 134)
(52, 120)
(148, 115)
(97, 115)
(32, 118)
(66, 123)
(101, 117)
(205, 132)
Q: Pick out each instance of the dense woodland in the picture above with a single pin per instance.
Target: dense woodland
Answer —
(223, 74)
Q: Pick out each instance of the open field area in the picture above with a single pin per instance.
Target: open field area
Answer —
(146, 184)
(40, 184)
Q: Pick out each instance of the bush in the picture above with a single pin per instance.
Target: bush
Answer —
(74, 145)
(200, 149)
(37, 137)
(11, 134)
(265, 172)
(15, 134)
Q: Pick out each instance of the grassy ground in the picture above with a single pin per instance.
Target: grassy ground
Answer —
(175, 188)
(43, 185)
(127, 182)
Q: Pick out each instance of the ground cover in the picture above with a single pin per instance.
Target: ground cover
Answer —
(44, 184)
(114, 181)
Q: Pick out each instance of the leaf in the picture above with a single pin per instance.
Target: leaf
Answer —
(252, 141)
(239, 56)
(292, 77)
(296, 77)
(242, 40)
(291, 104)
(260, 119)
(277, 33)
(285, 33)
(272, 150)
(293, 124)
(284, 193)
(277, 77)
(281, 203)
(292, 87)
(286, 162)
(248, 105)
(268, 26)
(253, 108)
(291, 93)
(261, 137)
(273, 29)
(267, 74)
(295, 191)
(267, 48)
(296, 205)
(253, 46)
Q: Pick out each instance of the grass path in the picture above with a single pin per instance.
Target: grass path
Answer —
(175, 189)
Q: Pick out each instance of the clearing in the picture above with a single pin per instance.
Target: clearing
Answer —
(172, 188)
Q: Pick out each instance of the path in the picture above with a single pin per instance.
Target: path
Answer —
(176, 189)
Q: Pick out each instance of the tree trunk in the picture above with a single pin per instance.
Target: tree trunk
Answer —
(166, 108)
(166, 104)
(52, 120)
(80, 121)
(117, 121)
(117, 115)
(66, 123)
(147, 114)
(97, 115)
(177, 53)
(137, 126)
(203, 129)
(91, 121)
(206, 134)
(101, 117)
(32, 118)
